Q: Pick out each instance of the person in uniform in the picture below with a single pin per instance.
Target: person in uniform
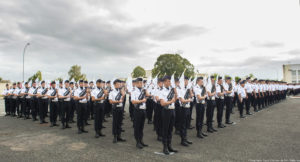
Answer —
(33, 100)
(6, 99)
(18, 100)
(131, 107)
(14, 95)
(138, 99)
(158, 109)
(211, 104)
(116, 97)
(229, 94)
(167, 101)
(72, 102)
(88, 110)
(81, 97)
(98, 97)
(249, 91)
(52, 94)
(42, 102)
(220, 102)
(108, 106)
(242, 98)
(25, 101)
(65, 95)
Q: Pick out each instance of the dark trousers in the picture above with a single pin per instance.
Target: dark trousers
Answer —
(13, 105)
(229, 106)
(65, 112)
(34, 107)
(23, 107)
(235, 99)
(241, 106)
(18, 107)
(158, 120)
(183, 121)
(255, 101)
(6, 102)
(139, 121)
(211, 104)
(98, 114)
(248, 102)
(131, 108)
(87, 112)
(73, 108)
(149, 109)
(81, 111)
(43, 106)
(220, 108)
(178, 112)
(168, 120)
(200, 110)
(53, 112)
(117, 120)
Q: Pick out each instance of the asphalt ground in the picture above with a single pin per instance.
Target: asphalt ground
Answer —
(272, 134)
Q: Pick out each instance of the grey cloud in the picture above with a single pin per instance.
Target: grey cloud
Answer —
(230, 50)
(292, 52)
(267, 44)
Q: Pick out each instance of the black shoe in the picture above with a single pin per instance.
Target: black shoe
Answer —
(41, 122)
(150, 122)
(184, 143)
(209, 130)
(203, 134)
(44, 121)
(143, 144)
(139, 145)
(102, 135)
(191, 127)
(232, 112)
(103, 127)
(242, 116)
(104, 120)
(84, 131)
(171, 149)
(221, 125)
(214, 129)
(67, 126)
(199, 135)
(63, 126)
(249, 113)
(165, 150)
(229, 122)
(87, 123)
(122, 130)
(79, 131)
(97, 135)
(120, 139)
(159, 138)
(189, 142)
(115, 139)
(55, 125)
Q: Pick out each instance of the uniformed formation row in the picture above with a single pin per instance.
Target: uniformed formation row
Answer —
(171, 100)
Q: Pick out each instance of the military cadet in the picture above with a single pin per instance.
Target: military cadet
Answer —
(158, 109)
(167, 101)
(13, 100)
(98, 97)
(25, 101)
(220, 102)
(261, 95)
(200, 94)
(33, 100)
(177, 108)
(108, 106)
(52, 94)
(138, 99)
(249, 91)
(255, 94)
(42, 102)
(242, 98)
(91, 105)
(88, 110)
(211, 104)
(72, 102)
(116, 97)
(65, 95)
(81, 97)
(6, 99)
(106, 94)
(149, 104)
(60, 101)
(18, 100)
(229, 94)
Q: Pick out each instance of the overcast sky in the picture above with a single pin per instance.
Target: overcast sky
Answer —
(108, 38)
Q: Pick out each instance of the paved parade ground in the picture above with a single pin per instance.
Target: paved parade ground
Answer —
(272, 134)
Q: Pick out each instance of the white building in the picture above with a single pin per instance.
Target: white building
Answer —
(291, 73)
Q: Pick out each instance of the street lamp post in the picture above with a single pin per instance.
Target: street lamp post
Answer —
(27, 44)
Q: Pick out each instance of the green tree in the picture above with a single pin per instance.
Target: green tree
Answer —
(138, 72)
(170, 63)
(236, 78)
(75, 73)
(37, 75)
(0, 79)
(60, 79)
(250, 75)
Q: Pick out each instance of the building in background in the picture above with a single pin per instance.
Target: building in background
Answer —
(291, 73)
